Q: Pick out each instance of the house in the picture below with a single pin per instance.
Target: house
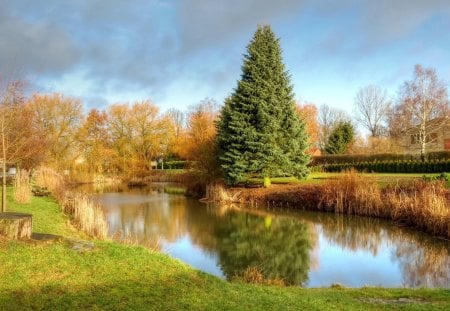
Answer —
(437, 138)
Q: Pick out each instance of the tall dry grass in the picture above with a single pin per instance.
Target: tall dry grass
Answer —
(22, 187)
(216, 192)
(352, 195)
(420, 204)
(255, 275)
(52, 180)
(86, 216)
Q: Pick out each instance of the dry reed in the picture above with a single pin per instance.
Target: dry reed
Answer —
(87, 216)
(352, 195)
(255, 275)
(216, 192)
(22, 187)
(419, 204)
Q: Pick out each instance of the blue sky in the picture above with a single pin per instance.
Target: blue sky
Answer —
(177, 52)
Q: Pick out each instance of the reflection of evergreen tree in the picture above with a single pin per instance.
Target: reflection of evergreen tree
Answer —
(280, 247)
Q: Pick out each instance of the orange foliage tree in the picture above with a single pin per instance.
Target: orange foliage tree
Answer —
(139, 135)
(308, 113)
(59, 117)
(200, 140)
(95, 141)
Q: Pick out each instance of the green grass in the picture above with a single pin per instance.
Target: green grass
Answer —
(43, 276)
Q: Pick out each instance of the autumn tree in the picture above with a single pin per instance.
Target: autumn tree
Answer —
(423, 107)
(308, 113)
(372, 106)
(328, 118)
(21, 143)
(200, 141)
(95, 141)
(259, 132)
(59, 117)
(177, 124)
(139, 135)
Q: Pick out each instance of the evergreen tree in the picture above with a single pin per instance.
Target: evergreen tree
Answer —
(259, 133)
(339, 139)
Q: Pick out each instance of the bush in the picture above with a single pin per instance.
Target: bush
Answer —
(402, 166)
(443, 176)
(171, 165)
(358, 158)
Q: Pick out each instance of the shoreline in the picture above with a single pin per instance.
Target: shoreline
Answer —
(423, 206)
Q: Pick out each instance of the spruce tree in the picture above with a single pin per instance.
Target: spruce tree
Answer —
(339, 139)
(259, 133)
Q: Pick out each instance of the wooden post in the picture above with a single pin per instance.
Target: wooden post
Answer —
(16, 225)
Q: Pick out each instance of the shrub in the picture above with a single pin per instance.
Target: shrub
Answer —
(357, 158)
(434, 166)
(171, 165)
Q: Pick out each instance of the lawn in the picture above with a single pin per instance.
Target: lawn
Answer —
(53, 276)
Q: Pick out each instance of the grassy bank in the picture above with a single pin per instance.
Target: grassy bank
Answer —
(43, 276)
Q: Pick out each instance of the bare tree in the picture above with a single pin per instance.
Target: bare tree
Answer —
(423, 107)
(328, 119)
(372, 105)
(178, 120)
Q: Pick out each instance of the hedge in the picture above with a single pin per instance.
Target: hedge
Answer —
(433, 166)
(358, 158)
(170, 165)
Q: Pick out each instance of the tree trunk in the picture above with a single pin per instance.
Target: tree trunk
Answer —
(16, 225)
(422, 150)
(3, 166)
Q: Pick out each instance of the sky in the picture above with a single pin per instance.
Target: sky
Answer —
(179, 52)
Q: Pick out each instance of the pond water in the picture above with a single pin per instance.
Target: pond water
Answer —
(310, 249)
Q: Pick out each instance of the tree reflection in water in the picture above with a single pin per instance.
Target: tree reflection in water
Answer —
(423, 259)
(280, 247)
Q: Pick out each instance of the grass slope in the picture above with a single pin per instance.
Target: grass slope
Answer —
(41, 276)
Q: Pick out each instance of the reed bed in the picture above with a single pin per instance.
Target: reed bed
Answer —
(216, 192)
(86, 215)
(22, 187)
(419, 204)
(158, 176)
(352, 195)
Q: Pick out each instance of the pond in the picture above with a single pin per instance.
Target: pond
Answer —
(310, 249)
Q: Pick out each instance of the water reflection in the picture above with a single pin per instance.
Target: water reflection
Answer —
(278, 246)
(310, 249)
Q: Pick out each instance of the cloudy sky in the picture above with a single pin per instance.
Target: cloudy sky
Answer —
(177, 52)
